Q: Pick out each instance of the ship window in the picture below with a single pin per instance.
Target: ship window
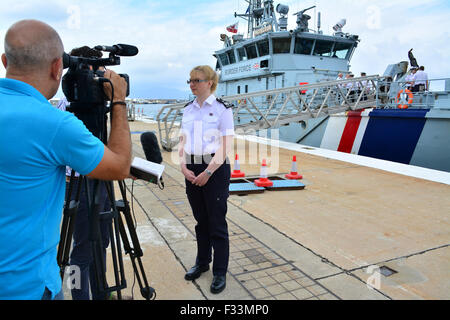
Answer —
(231, 56)
(251, 51)
(263, 48)
(224, 59)
(303, 46)
(281, 45)
(323, 48)
(241, 54)
(341, 50)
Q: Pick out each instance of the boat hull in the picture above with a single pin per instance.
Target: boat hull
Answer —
(415, 137)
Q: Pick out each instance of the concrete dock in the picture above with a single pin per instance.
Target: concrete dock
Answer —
(354, 232)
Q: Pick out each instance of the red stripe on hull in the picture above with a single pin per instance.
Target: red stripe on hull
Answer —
(350, 131)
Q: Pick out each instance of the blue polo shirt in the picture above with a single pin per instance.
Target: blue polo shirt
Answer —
(37, 141)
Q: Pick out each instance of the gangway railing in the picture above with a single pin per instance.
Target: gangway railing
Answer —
(392, 95)
(275, 108)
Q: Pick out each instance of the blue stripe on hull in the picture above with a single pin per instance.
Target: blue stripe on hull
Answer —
(393, 134)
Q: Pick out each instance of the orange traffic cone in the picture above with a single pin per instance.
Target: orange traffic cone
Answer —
(237, 169)
(263, 181)
(294, 171)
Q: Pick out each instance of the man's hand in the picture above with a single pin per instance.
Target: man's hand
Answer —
(116, 161)
(119, 84)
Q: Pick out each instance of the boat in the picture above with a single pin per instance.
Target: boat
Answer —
(379, 117)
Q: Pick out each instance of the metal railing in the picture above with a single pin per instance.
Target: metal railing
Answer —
(279, 107)
(131, 111)
(391, 95)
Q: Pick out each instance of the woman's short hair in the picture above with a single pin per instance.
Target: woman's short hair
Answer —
(209, 73)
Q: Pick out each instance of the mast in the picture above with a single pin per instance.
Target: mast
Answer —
(259, 15)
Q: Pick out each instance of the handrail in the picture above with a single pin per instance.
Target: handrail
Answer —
(388, 92)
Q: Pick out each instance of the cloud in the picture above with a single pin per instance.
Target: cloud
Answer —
(173, 38)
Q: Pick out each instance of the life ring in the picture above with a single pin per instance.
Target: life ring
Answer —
(410, 99)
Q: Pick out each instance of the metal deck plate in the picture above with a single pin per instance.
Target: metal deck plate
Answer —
(286, 185)
(245, 188)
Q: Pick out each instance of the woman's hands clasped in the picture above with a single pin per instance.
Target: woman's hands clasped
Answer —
(199, 180)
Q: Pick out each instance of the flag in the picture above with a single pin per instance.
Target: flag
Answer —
(233, 28)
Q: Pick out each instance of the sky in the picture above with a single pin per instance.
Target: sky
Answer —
(175, 36)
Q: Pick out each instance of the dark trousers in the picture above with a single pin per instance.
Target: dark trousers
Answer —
(209, 206)
(418, 88)
(81, 254)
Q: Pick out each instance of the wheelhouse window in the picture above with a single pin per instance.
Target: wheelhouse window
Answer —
(263, 48)
(303, 46)
(241, 54)
(323, 48)
(231, 56)
(281, 45)
(224, 59)
(251, 51)
(341, 50)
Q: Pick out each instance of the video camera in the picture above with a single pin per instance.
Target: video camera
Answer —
(83, 83)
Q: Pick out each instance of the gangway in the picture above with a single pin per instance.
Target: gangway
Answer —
(272, 109)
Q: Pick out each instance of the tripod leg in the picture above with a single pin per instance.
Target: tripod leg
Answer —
(95, 237)
(135, 252)
(119, 272)
(69, 215)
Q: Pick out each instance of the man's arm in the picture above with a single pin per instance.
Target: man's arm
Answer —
(116, 161)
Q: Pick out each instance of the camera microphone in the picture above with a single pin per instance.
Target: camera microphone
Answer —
(152, 151)
(123, 50)
(150, 146)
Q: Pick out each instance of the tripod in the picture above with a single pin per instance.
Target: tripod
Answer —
(117, 231)
(94, 117)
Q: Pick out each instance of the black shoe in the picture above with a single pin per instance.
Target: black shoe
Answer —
(218, 284)
(196, 272)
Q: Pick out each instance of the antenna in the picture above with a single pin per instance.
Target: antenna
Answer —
(319, 22)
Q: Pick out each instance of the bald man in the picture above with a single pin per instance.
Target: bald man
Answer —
(37, 141)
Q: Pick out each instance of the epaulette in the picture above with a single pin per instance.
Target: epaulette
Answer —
(225, 103)
(188, 103)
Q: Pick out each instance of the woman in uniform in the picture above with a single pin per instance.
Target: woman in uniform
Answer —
(207, 136)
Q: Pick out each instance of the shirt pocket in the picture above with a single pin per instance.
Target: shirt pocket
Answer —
(211, 128)
(187, 123)
(210, 122)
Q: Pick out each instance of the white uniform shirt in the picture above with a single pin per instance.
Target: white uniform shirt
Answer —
(338, 79)
(203, 126)
(420, 78)
(409, 77)
(367, 84)
(350, 86)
